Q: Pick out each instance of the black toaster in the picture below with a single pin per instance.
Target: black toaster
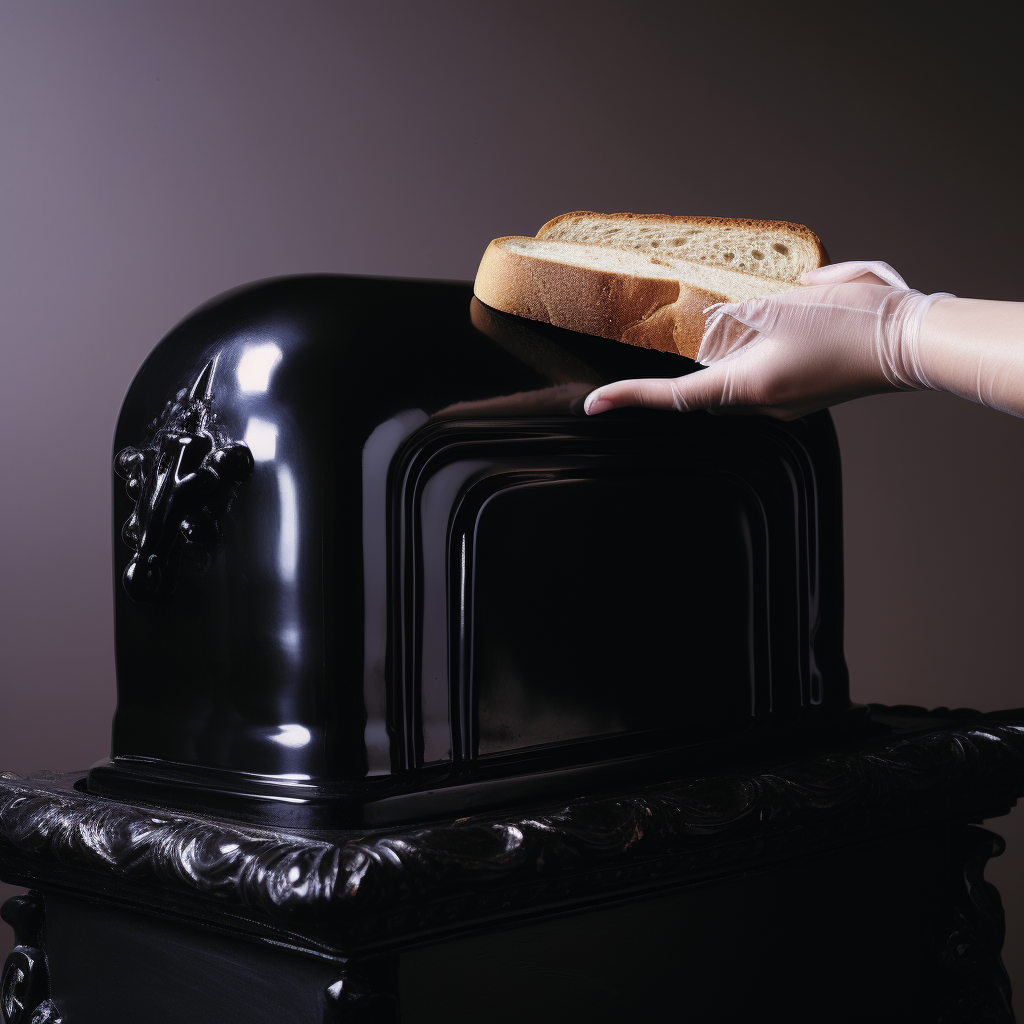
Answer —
(372, 563)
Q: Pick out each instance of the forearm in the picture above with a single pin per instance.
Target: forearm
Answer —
(975, 348)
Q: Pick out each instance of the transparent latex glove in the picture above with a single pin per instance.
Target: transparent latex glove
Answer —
(848, 330)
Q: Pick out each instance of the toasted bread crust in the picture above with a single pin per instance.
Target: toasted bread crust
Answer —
(657, 313)
(799, 230)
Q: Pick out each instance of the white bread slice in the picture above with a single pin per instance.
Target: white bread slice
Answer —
(646, 300)
(769, 248)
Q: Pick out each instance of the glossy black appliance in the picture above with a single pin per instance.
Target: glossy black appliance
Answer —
(372, 563)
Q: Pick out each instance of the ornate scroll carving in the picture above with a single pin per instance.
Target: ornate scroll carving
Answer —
(182, 484)
(47, 1013)
(25, 984)
(427, 879)
(25, 915)
(978, 988)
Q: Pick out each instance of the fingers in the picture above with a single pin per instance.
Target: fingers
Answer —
(875, 271)
(651, 394)
(701, 390)
(782, 355)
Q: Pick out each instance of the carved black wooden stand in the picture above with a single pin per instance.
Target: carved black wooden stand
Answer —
(833, 884)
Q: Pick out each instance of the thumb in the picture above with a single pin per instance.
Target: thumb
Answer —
(843, 273)
(702, 389)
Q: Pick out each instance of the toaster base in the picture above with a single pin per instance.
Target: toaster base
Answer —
(443, 792)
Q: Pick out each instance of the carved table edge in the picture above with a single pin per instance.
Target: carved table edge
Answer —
(51, 835)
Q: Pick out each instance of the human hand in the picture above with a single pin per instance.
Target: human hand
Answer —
(848, 330)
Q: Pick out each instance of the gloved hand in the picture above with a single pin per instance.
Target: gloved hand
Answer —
(849, 330)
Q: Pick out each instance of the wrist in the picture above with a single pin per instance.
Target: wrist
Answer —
(906, 348)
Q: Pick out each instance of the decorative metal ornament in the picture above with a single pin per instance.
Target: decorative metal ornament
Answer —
(182, 484)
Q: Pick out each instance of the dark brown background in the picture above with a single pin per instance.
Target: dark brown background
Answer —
(155, 154)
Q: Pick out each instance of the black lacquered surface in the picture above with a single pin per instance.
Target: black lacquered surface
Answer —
(405, 559)
(548, 666)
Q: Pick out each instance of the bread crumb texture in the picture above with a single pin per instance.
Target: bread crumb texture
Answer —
(776, 250)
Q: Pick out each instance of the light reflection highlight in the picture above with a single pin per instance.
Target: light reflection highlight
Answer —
(288, 539)
(293, 736)
(261, 437)
(255, 367)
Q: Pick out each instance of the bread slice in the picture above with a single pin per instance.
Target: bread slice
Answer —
(654, 301)
(769, 248)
